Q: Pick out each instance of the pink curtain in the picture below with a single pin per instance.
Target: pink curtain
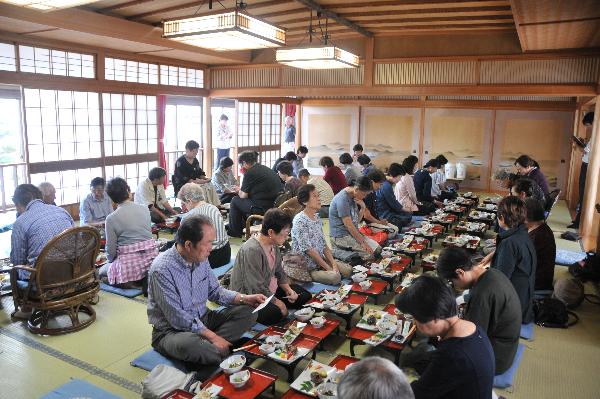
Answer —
(161, 106)
(290, 110)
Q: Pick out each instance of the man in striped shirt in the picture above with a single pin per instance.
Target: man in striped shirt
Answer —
(37, 224)
(180, 282)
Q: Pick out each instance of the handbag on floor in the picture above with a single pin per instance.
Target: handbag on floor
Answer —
(164, 379)
(553, 313)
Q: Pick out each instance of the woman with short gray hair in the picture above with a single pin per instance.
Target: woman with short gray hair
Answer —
(374, 378)
(193, 198)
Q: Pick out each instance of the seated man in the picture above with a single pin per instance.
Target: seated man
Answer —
(37, 224)
(375, 378)
(463, 364)
(224, 181)
(260, 187)
(493, 303)
(544, 243)
(291, 184)
(324, 191)
(346, 211)
(96, 206)
(48, 193)
(188, 170)
(151, 193)
(423, 182)
(387, 206)
(180, 282)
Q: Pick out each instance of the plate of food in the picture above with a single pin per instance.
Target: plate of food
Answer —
(211, 391)
(359, 269)
(293, 331)
(312, 377)
(404, 328)
(408, 279)
(288, 354)
(376, 339)
(344, 307)
(430, 258)
(370, 319)
(304, 314)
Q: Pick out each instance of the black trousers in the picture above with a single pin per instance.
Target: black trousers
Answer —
(271, 314)
(226, 198)
(582, 177)
(220, 257)
(239, 210)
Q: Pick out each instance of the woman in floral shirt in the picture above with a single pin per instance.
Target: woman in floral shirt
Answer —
(308, 240)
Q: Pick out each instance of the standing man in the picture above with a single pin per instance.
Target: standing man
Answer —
(588, 121)
(223, 142)
(180, 282)
(290, 134)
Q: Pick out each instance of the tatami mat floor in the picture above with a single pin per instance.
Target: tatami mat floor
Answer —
(556, 364)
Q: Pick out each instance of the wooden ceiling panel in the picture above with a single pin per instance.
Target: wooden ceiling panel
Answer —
(18, 26)
(569, 35)
(557, 24)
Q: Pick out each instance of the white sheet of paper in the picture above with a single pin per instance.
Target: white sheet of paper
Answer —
(262, 305)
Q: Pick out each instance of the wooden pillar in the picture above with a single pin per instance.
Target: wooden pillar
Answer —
(369, 68)
(207, 159)
(590, 218)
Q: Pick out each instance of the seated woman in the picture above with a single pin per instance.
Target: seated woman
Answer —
(194, 202)
(258, 269)
(365, 163)
(405, 188)
(346, 165)
(130, 247)
(463, 364)
(333, 175)
(344, 216)
(515, 254)
(224, 181)
(528, 167)
(526, 187)
(308, 240)
(543, 241)
(291, 184)
(387, 205)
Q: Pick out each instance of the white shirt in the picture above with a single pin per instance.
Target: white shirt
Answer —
(586, 152)
(437, 179)
(144, 195)
(223, 141)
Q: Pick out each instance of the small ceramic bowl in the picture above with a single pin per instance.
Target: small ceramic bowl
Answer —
(386, 327)
(327, 390)
(328, 304)
(239, 379)
(358, 277)
(317, 322)
(365, 284)
(304, 314)
(233, 364)
(265, 349)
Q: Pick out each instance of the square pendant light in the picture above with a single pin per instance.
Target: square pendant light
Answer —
(319, 57)
(48, 5)
(224, 31)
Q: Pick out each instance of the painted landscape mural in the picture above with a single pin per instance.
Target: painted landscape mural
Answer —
(388, 137)
(328, 135)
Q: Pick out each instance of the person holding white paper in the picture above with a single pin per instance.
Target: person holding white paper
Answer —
(258, 269)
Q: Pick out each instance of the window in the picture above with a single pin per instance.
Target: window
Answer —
(134, 173)
(222, 107)
(130, 71)
(56, 62)
(180, 76)
(71, 185)
(129, 124)
(183, 122)
(62, 125)
(13, 170)
(259, 129)
(8, 60)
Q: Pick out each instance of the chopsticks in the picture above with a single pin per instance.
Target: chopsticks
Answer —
(245, 347)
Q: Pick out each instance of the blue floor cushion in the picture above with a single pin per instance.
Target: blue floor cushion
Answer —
(505, 380)
(126, 292)
(149, 360)
(567, 258)
(219, 271)
(527, 331)
(79, 389)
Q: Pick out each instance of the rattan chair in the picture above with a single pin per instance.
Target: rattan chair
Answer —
(291, 207)
(63, 281)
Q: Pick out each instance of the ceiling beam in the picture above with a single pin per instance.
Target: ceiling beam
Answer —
(426, 11)
(518, 21)
(501, 18)
(123, 5)
(558, 90)
(388, 3)
(337, 18)
(85, 21)
(185, 6)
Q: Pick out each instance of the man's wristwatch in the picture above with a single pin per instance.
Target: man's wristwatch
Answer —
(242, 297)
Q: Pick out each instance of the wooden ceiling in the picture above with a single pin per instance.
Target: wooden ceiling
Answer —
(134, 26)
(383, 17)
